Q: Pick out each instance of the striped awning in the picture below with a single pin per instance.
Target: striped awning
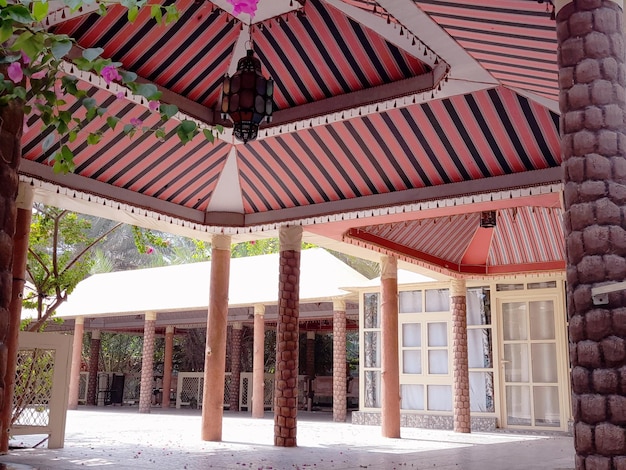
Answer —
(374, 100)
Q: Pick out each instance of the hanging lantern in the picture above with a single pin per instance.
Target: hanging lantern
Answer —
(247, 98)
(488, 219)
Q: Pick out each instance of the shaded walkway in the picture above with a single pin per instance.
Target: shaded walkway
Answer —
(170, 439)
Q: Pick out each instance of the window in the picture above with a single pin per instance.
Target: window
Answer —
(480, 349)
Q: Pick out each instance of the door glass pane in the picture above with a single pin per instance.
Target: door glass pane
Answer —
(410, 301)
(440, 397)
(412, 397)
(478, 309)
(514, 321)
(437, 334)
(370, 306)
(411, 362)
(438, 361)
(544, 362)
(479, 348)
(541, 319)
(372, 348)
(516, 363)
(481, 391)
(546, 401)
(411, 335)
(438, 300)
(518, 405)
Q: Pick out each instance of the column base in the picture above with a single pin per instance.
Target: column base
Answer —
(425, 421)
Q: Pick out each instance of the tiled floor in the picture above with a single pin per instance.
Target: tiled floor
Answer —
(121, 438)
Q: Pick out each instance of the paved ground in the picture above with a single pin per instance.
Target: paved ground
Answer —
(121, 438)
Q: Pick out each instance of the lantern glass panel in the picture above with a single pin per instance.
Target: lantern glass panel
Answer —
(235, 84)
(268, 107)
(248, 80)
(259, 104)
(261, 85)
(270, 87)
(226, 85)
(234, 104)
(247, 98)
(225, 101)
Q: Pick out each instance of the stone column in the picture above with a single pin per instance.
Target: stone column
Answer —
(12, 118)
(258, 363)
(167, 366)
(460, 385)
(147, 363)
(77, 356)
(592, 80)
(286, 382)
(390, 371)
(340, 376)
(235, 365)
(94, 361)
(215, 354)
(24, 204)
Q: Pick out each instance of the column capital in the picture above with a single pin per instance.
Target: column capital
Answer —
(339, 305)
(150, 316)
(237, 325)
(458, 288)
(290, 237)
(259, 309)
(25, 196)
(95, 334)
(388, 267)
(79, 321)
(220, 242)
(169, 329)
(310, 335)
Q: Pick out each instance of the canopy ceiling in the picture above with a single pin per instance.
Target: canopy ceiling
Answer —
(396, 123)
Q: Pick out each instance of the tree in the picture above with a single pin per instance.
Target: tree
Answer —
(60, 255)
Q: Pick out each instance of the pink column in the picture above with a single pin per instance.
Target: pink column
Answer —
(24, 204)
(460, 386)
(286, 382)
(340, 380)
(215, 356)
(167, 366)
(94, 361)
(77, 350)
(235, 365)
(258, 363)
(390, 372)
(147, 363)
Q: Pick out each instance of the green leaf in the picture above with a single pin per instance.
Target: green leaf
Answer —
(89, 103)
(3, 3)
(187, 126)
(112, 121)
(92, 53)
(219, 128)
(208, 134)
(61, 48)
(160, 133)
(31, 44)
(66, 153)
(6, 30)
(40, 10)
(93, 139)
(168, 111)
(148, 90)
(132, 14)
(74, 4)
(48, 142)
(127, 76)
(155, 12)
(171, 14)
(71, 137)
(18, 13)
(91, 113)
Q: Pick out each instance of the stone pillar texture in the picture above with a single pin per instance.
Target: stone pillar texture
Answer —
(460, 365)
(94, 361)
(592, 80)
(24, 204)
(77, 350)
(12, 118)
(258, 363)
(147, 363)
(235, 365)
(286, 382)
(390, 371)
(310, 355)
(340, 377)
(167, 366)
(217, 327)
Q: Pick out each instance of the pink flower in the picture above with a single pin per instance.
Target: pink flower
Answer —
(136, 122)
(15, 72)
(154, 105)
(110, 73)
(25, 58)
(149, 250)
(244, 6)
(38, 75)
(119, 95)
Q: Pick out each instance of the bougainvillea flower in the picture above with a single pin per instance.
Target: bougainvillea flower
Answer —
(110, 73)
(39, 75)
(15, 72)
(153, 105)
(136, 122)
(244, 6)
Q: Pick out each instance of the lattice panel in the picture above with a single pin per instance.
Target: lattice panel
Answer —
(132, 385)
(268, 388)
(191, 391)
(227, 387)
(33, 387)
(82, 387)
(243, 392)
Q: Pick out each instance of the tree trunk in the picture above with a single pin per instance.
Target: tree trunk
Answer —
(12, 118)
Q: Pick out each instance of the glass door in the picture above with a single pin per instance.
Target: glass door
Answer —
(530, 364)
